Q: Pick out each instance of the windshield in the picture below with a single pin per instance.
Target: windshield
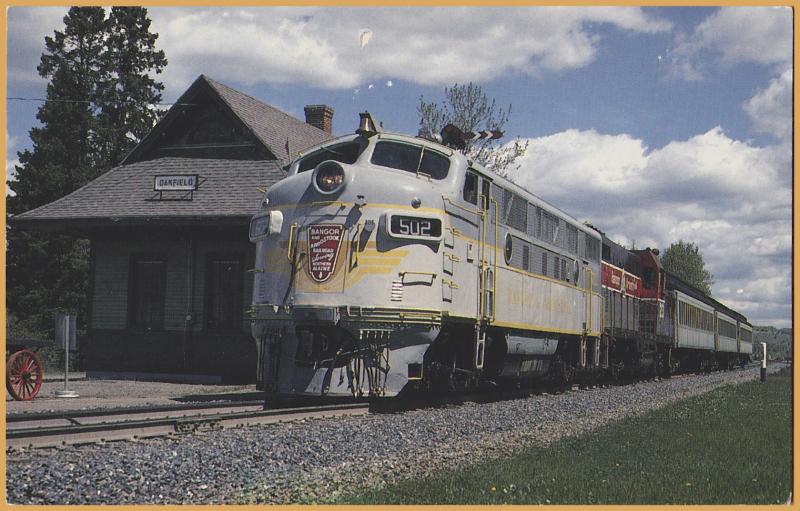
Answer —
(411, 158)
(347, 152)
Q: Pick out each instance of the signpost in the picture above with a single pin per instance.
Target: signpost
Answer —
(763, 361)
(66, 336)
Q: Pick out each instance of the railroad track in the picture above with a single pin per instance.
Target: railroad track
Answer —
(54, 429)
(81, 427)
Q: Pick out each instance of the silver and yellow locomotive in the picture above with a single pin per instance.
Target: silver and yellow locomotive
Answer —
(387, 262)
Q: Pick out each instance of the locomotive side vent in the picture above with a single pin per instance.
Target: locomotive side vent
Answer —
(397, 291)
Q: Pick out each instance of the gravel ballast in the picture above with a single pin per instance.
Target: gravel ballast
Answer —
(317, 460)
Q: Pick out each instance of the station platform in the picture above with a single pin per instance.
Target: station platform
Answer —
(109, 393)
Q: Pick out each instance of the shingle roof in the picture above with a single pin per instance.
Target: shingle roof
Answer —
(227, 188)
(272, 127)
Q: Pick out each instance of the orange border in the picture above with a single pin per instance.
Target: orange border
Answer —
(205, 3)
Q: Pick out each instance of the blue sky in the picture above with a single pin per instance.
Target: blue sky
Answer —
(654, 124)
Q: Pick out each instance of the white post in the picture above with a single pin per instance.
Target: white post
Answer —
(763, 361)
(67, 329)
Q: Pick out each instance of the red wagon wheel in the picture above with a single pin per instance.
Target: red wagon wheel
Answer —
(24, 375)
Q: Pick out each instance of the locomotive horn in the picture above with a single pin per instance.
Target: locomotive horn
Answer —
(453, 136)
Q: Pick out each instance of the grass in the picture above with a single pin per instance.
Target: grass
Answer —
(731, 445)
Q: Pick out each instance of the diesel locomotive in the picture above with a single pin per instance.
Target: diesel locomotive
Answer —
(388, 263)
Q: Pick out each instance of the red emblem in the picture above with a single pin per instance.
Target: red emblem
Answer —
(323, 250)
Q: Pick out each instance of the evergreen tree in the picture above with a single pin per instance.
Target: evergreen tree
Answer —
(468, 108)
(63, 147)
(684, 260)
(47, 273)
(128, 93)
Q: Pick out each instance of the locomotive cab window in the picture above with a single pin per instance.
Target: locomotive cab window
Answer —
(411, 158)
(470, 193)
(649, 278)
(343, 153)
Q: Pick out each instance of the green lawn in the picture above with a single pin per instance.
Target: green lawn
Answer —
(732, 445)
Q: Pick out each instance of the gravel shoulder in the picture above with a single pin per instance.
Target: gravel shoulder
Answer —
(316, 461)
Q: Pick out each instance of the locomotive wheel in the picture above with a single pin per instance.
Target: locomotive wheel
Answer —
(24, 375)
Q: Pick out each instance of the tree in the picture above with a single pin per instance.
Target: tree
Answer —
(48, 272)
(468, 108)
(127, 93)
(63, 148)
(684, 260)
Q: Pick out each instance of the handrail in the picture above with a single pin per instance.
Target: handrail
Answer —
(290, 251)
(494, 260)
(459, 206)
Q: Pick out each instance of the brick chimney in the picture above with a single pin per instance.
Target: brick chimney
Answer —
(320, 116)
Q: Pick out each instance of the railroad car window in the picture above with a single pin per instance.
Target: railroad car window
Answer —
(564, 275)
(558, 238)
(344, 153)
(471, 188)
(606, 252)
(533, 221)
(411, 158)
(508, 199)
(549, 224)
(518, 213)
(147, 292)
(544, 263)
(572, 239)
(592, 247)
(225, 281)
(498, 194)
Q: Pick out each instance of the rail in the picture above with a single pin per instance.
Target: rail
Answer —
(78, 427)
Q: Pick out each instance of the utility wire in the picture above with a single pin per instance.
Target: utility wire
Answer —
(44, 100)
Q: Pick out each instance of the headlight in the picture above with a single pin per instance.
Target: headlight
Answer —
(259, 227)
(265, 224)
(328, 177)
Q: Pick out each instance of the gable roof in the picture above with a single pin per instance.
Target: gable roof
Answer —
(228, 189)
(270, 126)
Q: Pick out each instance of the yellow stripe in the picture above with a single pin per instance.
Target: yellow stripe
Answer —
(342, 205)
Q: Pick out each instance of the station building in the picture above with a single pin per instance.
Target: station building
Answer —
(168, 230)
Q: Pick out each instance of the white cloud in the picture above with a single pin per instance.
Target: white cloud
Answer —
(320, 46)
(771, 109)
(27, 28)
(731, 198)
(733, 35)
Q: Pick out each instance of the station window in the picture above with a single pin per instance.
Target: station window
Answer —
(224, 288)
(148, 282)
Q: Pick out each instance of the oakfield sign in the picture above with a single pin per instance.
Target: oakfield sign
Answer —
(177, 182)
